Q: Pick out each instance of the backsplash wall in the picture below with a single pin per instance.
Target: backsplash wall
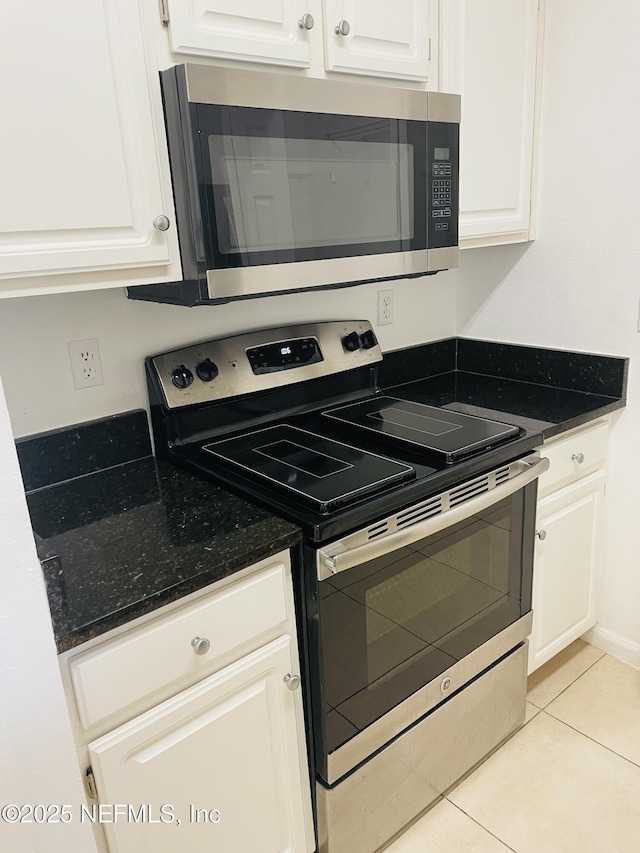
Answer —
(34, 331)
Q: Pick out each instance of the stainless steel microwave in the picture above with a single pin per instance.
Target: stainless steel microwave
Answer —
(284, 183)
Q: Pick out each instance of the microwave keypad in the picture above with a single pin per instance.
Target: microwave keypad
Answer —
(441, 193)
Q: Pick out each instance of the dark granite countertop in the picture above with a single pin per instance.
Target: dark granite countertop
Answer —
(120, 542)
(550, 391)
(120, 534)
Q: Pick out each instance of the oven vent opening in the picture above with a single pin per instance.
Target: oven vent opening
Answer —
(419, 513)
(379, 529)
(469, 490)
(479, 485)
(502, 474)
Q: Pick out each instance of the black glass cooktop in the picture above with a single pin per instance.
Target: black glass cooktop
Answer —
(450, 435)
(317, 470)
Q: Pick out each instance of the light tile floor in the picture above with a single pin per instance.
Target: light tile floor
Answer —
(567, 782)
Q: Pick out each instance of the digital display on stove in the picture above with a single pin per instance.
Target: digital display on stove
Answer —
(284, 355)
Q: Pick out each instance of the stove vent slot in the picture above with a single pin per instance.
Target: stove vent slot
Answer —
(502, 474)
(478, 485)
(379, 529)
(439, 503)
(420, 512)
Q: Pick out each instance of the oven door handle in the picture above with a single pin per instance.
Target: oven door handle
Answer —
(341, 555)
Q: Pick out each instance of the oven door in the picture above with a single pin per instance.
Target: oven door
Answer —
(417, 605)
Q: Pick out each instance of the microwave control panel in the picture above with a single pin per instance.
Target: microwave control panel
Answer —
(442, 182)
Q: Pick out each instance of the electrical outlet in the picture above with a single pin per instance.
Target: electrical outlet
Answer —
(385, 307)
(86, 367)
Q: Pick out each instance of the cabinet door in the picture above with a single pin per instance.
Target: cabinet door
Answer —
(80, 167)
(380, 38)
(490, 54)
(252, 30)
(566, 566)
(223, 758)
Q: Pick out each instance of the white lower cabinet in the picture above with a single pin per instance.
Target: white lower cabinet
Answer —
(568, 542)
(221, 758)
(189, 723)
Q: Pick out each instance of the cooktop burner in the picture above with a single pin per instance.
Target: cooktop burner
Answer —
(319, 470)
(313, 438)
(448, 434)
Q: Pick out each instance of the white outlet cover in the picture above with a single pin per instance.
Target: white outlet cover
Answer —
(385, 307)
(86, 367)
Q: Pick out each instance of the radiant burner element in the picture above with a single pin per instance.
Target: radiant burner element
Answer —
(449, 434)
(319, 470)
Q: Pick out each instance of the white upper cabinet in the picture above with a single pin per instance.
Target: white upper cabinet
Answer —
(374, 37)
(273, 31)
(491, 55)
(82, 175)
(385, 39)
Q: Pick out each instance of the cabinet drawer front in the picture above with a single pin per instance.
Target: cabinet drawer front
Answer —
(574, 456)
(137, 665)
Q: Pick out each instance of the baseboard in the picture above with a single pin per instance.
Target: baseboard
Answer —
(614, 644)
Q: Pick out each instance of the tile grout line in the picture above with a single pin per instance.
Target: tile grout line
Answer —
(477, 822)
(593, 740)
(571, 683)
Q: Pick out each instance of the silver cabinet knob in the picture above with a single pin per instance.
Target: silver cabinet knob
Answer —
(578, 457)
(343, 28)
(306, 22)
(292, 681)
(200, 645)
(161, 223)
(541, 534)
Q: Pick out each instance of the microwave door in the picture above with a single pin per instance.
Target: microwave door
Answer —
(286, 184)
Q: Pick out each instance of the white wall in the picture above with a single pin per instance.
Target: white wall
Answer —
(34, 332)
(37, 759)
(577, 286)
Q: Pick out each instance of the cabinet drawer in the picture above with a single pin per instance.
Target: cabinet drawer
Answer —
(139, 664)
(574, 456)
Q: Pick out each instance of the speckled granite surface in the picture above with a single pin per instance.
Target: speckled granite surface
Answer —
(120, 534)
(120, 542)
(550, 391)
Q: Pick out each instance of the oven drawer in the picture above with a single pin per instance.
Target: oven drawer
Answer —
(139, 664)
(378, 799)
(574, 455)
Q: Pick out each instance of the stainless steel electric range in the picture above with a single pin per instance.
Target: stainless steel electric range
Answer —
(414, 582)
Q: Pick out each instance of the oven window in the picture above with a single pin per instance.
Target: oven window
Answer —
(285, 187)
(391, 625)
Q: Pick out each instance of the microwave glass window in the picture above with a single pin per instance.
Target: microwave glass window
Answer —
(273, 194)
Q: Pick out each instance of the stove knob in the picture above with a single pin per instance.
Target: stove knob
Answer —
(207, 370)
(368, 339)
(351, 342)
(182, 377)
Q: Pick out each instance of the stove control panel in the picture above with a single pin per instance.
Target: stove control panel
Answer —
(284, 355)
(257, 361)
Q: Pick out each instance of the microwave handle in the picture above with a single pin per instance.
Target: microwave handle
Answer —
(338, 556)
